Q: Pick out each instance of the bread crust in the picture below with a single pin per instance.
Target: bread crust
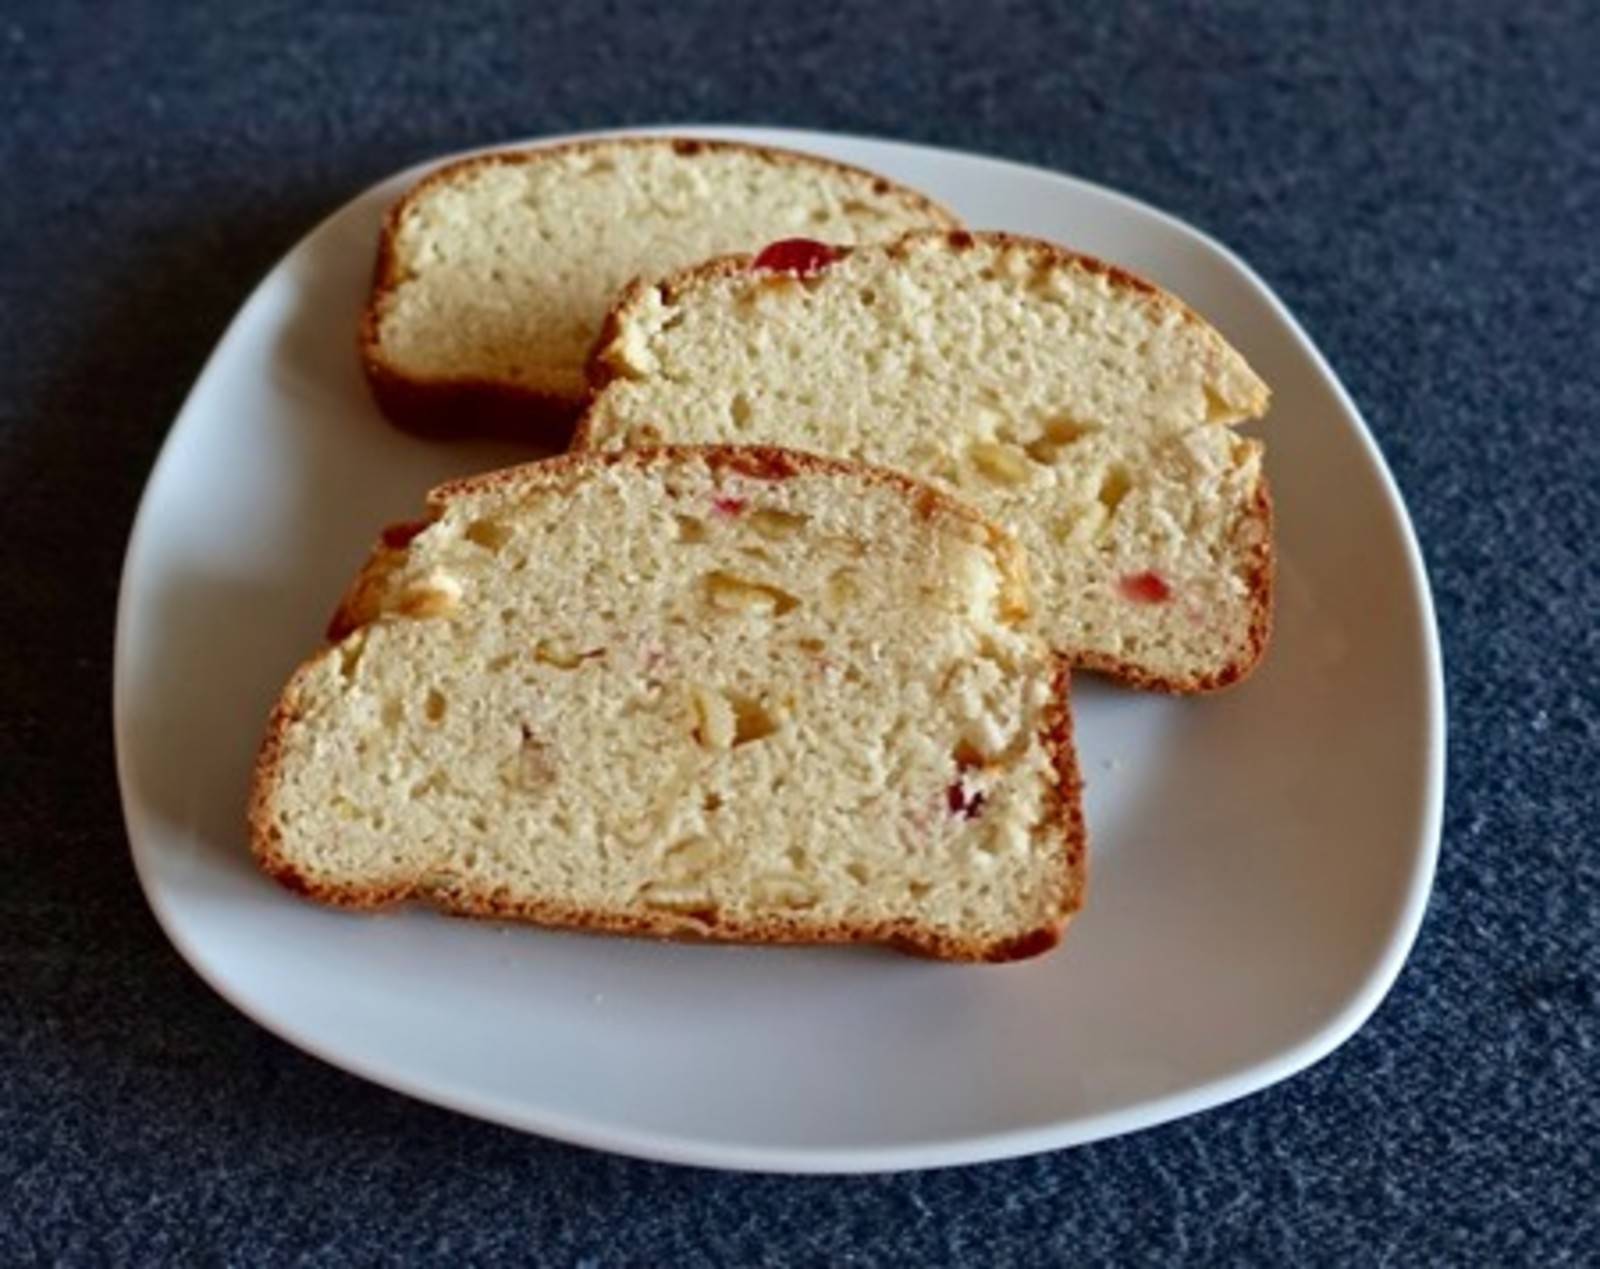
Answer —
(441, 407)
(1254, 529)
(356, 611)
(600, 369)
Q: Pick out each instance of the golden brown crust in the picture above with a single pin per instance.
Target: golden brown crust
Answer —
(360, 603)
(1044, 253)
(686, 927)
(762, 462)
(457, 900)
(453, 407)
(600, 368)
(757, 462)
(597, 368)
(1069, 787)
(264, 835)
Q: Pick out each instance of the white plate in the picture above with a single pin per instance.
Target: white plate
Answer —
(1260, 859)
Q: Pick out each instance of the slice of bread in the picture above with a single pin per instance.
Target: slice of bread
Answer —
(1081, 407)
(494, 273)
(727, 693)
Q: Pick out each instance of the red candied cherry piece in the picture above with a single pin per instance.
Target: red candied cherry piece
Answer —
(797, 255)
(1148, 587)
(967, 805)
(727, 506)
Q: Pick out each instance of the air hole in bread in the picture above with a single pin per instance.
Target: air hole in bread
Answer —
(532, 767)
(740, 411)
(690, 901)
(783, 892)
(1064, 429)
(917, 889)
(1065, 528)
(691, 529)
(350, 655)
(491, 535)
(433, 782)
(688, 860)
(869, 297)
(730, 593)
(429, 601)
(726, 720)
(713, 724)
(434, 707)
(858, 872)
(1056, 437)
(1114, 487)
(711, 802)
(776, 525)
(1002, 464)
(842, 588)
(551, 653)
(1218, 410)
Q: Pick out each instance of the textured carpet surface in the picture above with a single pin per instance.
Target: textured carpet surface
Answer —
(1420, 182)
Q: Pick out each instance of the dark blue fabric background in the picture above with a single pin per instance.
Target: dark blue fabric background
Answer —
(1420, 182)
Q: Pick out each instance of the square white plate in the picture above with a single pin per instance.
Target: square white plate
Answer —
(1260, 859)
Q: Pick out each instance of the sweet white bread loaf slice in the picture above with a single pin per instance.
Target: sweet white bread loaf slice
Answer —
(726, 693)
(494, 273)
(1082, 408)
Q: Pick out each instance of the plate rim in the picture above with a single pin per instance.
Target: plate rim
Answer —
(647, 1144)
